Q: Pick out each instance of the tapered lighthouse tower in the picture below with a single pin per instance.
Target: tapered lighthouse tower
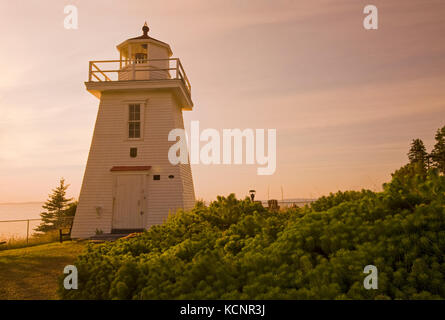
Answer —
(129, 183)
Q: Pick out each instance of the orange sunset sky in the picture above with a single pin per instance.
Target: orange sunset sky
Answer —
(346, 102)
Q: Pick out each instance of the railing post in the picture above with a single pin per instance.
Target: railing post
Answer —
(90, 72)
(134, 70)
(177, 69)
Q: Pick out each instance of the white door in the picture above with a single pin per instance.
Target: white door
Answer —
(128, 202)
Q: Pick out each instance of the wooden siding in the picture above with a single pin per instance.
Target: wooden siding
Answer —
(110, 147)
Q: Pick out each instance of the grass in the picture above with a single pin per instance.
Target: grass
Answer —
(32, 273)
(15, 243)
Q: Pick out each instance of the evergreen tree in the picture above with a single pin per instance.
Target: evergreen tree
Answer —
(57, 207)
(417, 153)
(438, 153)
(71, 209)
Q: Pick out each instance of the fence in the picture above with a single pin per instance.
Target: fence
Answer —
(24, 229)
(18, 229)
(289, 203)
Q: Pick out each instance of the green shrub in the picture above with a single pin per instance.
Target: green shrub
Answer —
(236, 249)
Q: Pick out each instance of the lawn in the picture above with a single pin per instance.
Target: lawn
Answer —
(32, 273)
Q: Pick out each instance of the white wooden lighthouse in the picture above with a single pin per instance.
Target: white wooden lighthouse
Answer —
(129, 183)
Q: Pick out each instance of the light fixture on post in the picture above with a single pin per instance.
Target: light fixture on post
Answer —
(252, 194)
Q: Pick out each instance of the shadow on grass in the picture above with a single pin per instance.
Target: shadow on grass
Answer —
(34, 272)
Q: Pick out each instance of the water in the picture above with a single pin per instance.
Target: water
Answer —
(18, 211)
(285, 203)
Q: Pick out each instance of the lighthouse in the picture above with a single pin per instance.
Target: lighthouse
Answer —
(129, 183)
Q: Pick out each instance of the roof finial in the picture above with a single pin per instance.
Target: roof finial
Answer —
(145, 29)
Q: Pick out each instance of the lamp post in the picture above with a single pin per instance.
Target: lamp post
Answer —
(252, 194)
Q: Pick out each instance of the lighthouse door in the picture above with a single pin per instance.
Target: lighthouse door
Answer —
(128, 208)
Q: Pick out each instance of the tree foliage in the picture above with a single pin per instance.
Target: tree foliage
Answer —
(236, 249)
(57, 208)
(438, 152)
(418, 154)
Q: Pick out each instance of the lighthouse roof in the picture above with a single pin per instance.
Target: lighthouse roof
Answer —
(143, 38)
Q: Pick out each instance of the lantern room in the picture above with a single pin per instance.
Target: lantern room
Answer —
(144, 63)
(144, 58)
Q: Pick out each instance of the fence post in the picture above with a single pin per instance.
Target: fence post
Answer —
(27, 232)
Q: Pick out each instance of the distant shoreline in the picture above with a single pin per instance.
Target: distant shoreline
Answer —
(20, 203)
(263, 200)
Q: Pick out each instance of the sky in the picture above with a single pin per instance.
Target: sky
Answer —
(346, 102)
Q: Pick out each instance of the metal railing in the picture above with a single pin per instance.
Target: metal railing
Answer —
(138, 69)
(26, 228)
(18, 229)
(289, 203)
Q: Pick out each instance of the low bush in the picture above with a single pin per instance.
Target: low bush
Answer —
(236, 249)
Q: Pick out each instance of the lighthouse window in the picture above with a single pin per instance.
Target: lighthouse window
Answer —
(134, 121)
(140, 57)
